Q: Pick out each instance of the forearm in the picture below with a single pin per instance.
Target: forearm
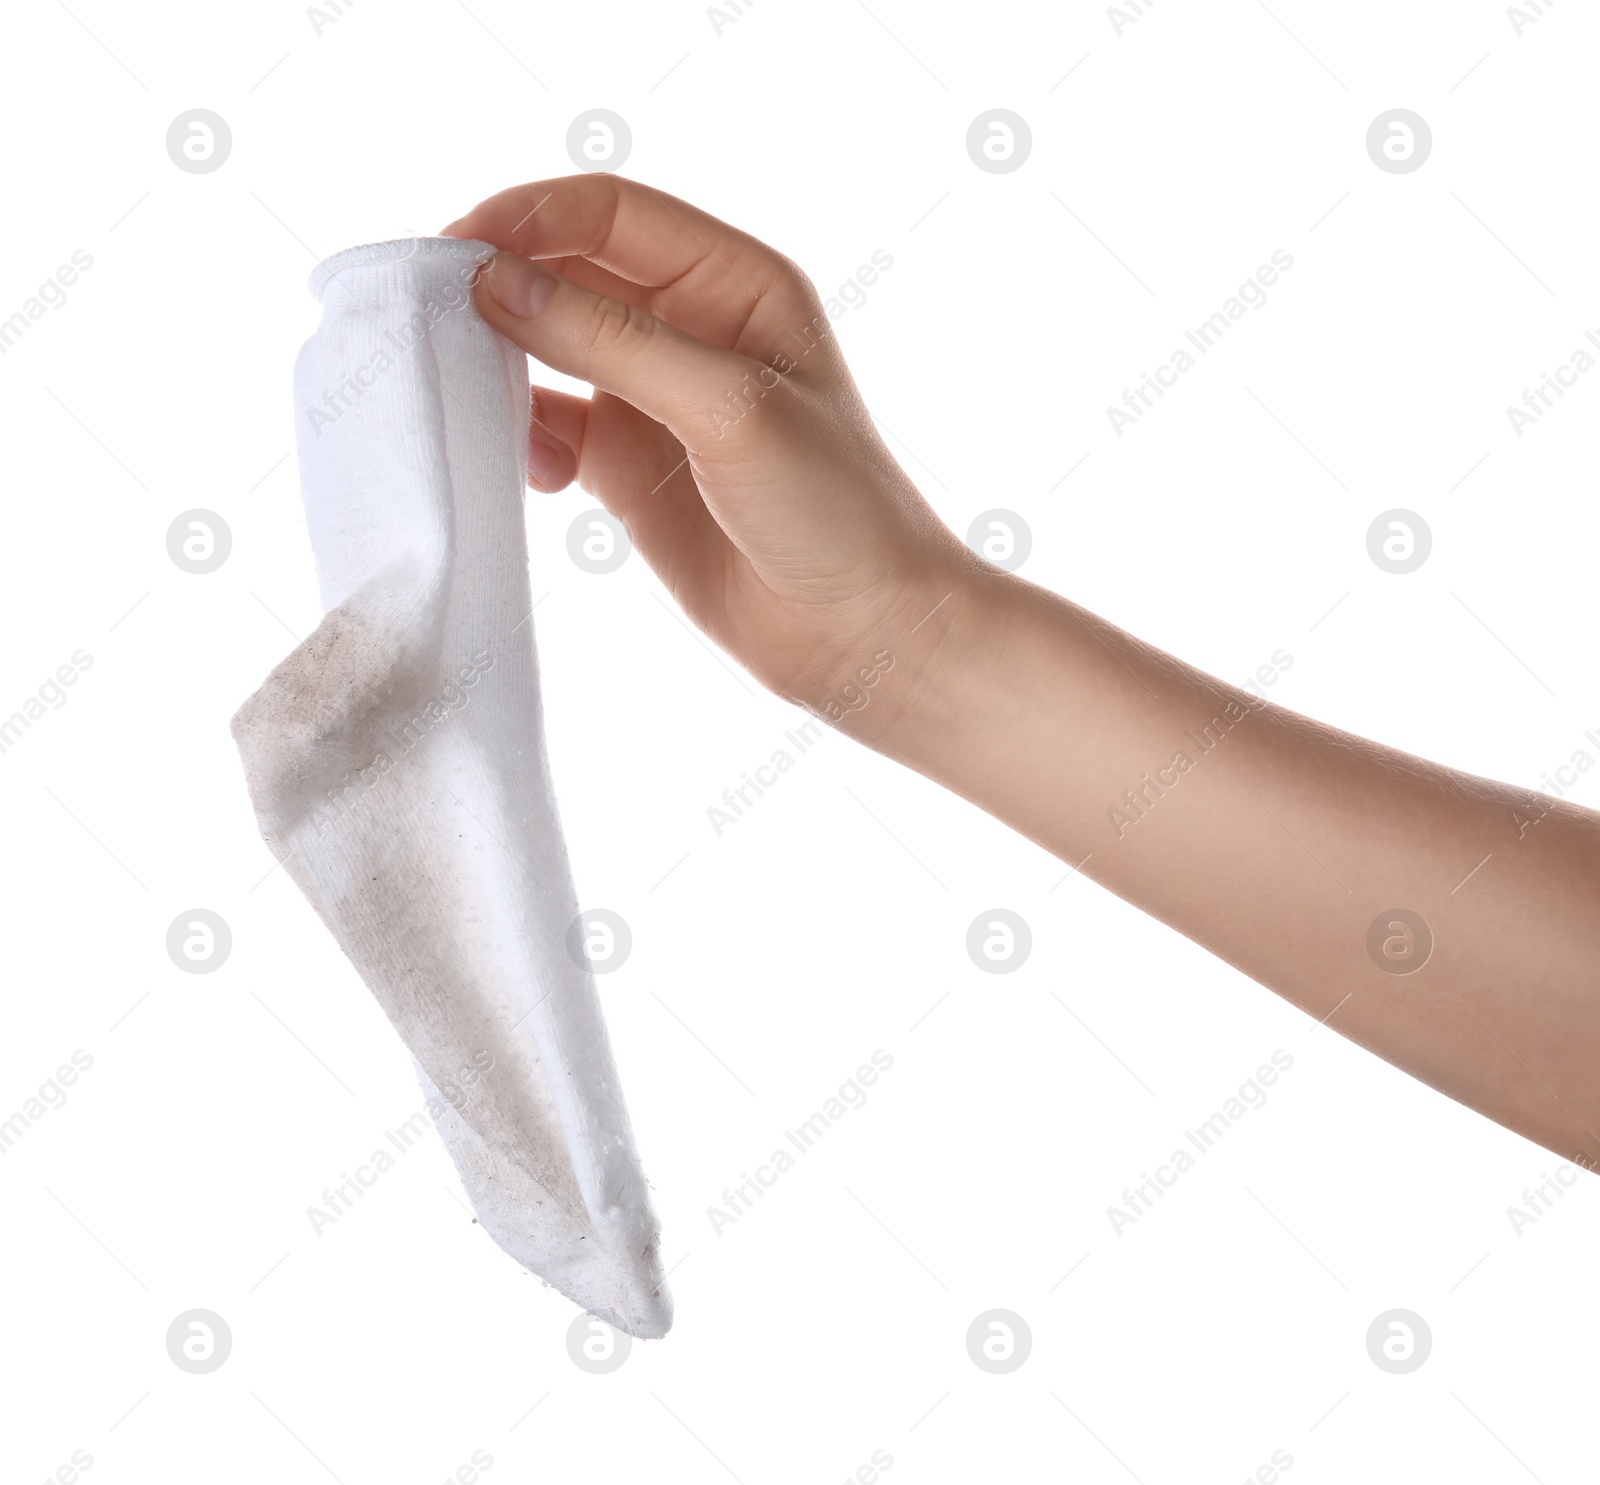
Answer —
(789, 533)
(1277, 843)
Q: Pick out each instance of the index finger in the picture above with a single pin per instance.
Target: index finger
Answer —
(698, 273)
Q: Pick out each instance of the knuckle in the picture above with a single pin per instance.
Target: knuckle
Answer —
(796, 275)
(616, 328)
(802, 295)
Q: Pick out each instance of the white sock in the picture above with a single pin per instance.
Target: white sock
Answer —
(397, 765)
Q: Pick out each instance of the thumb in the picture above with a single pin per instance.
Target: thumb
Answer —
(618, 347)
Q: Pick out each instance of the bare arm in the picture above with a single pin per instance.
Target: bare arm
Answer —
(1445, 922)
(1449, 924)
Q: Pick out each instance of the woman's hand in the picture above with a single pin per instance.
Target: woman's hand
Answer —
(725, 430)
(727, 434)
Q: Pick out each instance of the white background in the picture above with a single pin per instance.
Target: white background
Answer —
(768, 963)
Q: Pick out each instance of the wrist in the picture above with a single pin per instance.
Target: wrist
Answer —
(935, 657)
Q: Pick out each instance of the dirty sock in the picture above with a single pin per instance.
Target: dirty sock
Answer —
(397, 765)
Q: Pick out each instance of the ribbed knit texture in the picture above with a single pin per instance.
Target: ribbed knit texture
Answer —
(397, 765)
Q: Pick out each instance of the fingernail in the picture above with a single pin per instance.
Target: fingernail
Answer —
(520, 288)
(542, 460)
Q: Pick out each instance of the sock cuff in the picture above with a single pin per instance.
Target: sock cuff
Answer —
(388, 270)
